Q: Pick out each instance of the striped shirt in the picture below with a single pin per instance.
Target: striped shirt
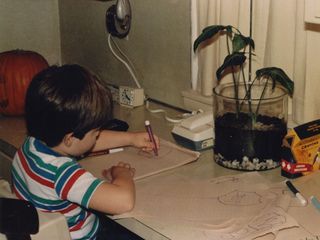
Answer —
(55, 183)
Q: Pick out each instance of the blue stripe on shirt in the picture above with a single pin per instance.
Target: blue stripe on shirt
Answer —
(63, 177)
(33, 162)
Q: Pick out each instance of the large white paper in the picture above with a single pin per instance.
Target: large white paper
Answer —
(231, 207)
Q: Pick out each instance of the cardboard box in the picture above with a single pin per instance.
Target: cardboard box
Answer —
(301, 150)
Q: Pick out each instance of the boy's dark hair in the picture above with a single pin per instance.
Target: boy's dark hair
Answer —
(66, 99)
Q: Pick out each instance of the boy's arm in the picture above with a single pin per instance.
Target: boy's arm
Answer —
(118, 196)
(112, 139)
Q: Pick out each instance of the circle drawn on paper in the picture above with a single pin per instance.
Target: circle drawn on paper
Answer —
(162, 152)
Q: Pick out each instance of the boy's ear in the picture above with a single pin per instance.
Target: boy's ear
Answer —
(68, 139)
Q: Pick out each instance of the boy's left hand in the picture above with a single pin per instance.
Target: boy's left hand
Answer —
(141, 140)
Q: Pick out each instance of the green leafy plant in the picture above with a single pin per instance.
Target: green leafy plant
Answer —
(240, 48)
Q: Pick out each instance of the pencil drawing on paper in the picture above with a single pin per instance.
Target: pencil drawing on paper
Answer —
(265, 222)
(240, 198)
(268, 221)
(164, 151)
(229, 179)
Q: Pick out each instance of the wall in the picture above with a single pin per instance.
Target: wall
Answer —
(158, 44)
(31, 25)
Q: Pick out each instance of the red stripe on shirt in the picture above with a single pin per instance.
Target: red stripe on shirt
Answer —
(31, 174)
(70, 182)
(79, 224)
(17, 193)
(68, 209)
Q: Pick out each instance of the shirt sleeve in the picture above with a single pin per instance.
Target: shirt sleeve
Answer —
(75, 184)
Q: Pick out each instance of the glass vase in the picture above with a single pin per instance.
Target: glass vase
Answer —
(249, 133)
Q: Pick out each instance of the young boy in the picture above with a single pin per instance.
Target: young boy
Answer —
(65, 108)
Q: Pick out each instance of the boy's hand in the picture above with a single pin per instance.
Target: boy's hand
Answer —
(120, 170)
(118, 195)
(141, 140)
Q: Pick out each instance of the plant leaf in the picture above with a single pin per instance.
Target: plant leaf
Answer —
(208, 33)
(232, 60)
(240, 42)
(277, 75)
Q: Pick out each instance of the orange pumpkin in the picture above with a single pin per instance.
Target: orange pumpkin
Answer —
(17, 68)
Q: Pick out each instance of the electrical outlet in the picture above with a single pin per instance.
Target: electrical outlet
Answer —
(132, 97)
(115, 93)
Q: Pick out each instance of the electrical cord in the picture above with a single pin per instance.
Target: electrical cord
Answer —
(125, 56)
(121, 60)
(130, 67)
(173, 120)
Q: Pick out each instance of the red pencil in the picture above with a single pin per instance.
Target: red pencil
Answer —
(151, 137)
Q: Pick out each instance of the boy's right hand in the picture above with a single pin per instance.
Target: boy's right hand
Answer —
(120, 170)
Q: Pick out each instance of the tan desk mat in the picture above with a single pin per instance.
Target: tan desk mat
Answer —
(309, 185)
(146, 164)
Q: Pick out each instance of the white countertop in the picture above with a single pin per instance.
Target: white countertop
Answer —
(12, 130)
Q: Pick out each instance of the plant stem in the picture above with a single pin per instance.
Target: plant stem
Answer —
(261, 96)
(236, 87)
(247, 91)
(250, 66)
(250, 48)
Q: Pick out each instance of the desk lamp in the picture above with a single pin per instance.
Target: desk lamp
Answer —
(118, 18)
